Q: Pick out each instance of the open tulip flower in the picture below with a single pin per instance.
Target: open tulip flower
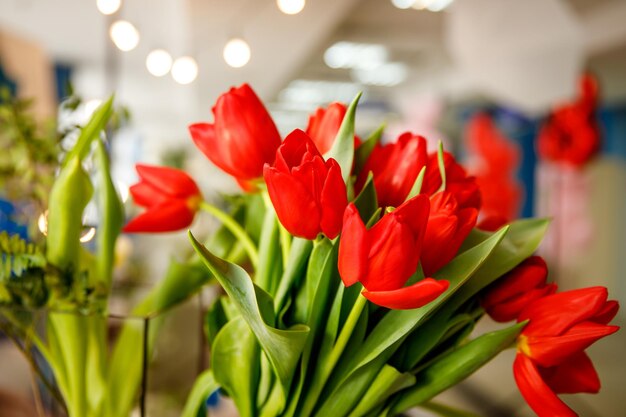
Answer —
(506, 299)
(308, 193)
(551, 358)
(243, 137)
(463, 186)
(448, 226)
(395, 167)
(170, 196)
(384, 257)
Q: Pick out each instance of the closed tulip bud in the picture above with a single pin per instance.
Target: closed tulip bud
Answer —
(170, 196)
(550, 351)
(308, 193)
(448, 226)
(526, 283)
(384, 257)
(324, 125)
(395, 167)
(243, 137)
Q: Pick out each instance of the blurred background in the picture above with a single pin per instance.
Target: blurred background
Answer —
(490, 78)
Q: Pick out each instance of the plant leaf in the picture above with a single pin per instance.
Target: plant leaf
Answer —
(282, 347)
(363, 152)
(343, 147)
(367, 202)
(204, 386)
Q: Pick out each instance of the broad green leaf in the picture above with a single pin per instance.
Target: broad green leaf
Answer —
(69, 196)
(222, 241)
(204, 386)
(92, 129)
(214, 319)
(235, 363)
(398, 324)
(456, 366)
(111, 213)
(367, 202)
(255, 215)
(269, 267)
(521, 242)
(298, 256)
(364, 151)
(282, 347)
(343, 147)
(266, 381)
(388, 381)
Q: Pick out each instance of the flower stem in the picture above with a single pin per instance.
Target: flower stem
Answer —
(346, 332)
(235, 228)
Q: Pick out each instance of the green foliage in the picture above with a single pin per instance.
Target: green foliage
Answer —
(343, 146)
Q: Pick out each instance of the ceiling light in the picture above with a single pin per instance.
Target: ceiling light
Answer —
(237, 53)
(108, 6)
(184, 70)
(403, 4)
(159, 62)
(124, 35)
(386, 75)
(290, 6)
(355, 55)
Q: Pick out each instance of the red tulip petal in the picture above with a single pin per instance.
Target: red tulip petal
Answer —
(294, 205)
(173, 182)
(536, 392)
(573, 376)
(353, 247)
(437, 251)
(293, 149)
(510, 308)
(554, 314)
(324, 125)
(607, 313)
(414, 212)
(553, 350)
(168, 217)
(146, 195)
(413, 296)
(333, 200)
(203, 135)
(530, 274)
(393, 255)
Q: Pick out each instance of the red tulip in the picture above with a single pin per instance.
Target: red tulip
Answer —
(243, 137)
(324, 125)
(170, 196)
(384, 257)
(550, 351)
(525, 284)
(448, 226)
(308, 193)
(462, 186)
(395, 167)
(571, 133)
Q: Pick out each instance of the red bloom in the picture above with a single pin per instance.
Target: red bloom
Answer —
(243, 137)
(550, 358)
(571, 134)
(505, 300)
(448, 226)
(462, 186)
(170, 196)
(308, 193)
(384, 257)
(324, 125)
(395, 167)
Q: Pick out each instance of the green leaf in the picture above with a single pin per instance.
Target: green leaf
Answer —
(343, 147)
(417, 185)
(269, 267)
(111, 213)
(235, 363)
(388, 381)
(298, 256)
(70, 194)
(446, 411)
(282, 347)
(396, 325)
(456, 366)
(204, 386)
(367, 202)
(96, 124)
(214, 320)
(364, 151)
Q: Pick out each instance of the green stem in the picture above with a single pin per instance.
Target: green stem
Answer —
(344, 336)
(285, 237)
(235, 228)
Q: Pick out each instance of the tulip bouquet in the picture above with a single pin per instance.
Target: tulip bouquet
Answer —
(354, 273)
